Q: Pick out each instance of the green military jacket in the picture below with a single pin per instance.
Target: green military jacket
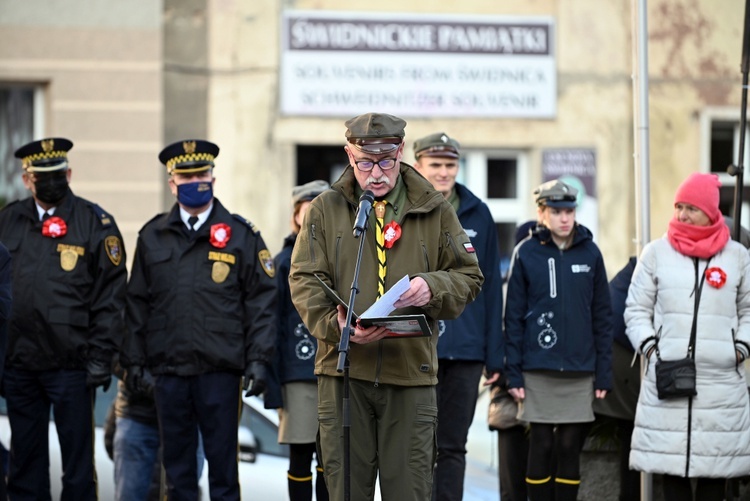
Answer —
(433, 245)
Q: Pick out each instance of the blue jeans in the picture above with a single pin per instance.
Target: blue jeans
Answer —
(136, 447)
(137, 454)
(457, 392)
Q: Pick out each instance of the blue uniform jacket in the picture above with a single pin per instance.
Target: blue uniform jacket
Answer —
(295, 346)
(477, 335)
(558, 314)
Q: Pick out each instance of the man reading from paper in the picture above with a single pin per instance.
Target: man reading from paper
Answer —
(414, 231)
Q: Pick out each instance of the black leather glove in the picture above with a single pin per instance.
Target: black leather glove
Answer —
(139, 381)
(98, 373)
(255, 379)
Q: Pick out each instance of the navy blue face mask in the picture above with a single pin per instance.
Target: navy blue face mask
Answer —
(195, 194)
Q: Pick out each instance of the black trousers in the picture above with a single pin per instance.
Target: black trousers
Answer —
(30, 394)
(209, 402)
(513, 451)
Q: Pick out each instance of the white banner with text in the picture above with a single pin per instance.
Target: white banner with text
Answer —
(347, 63)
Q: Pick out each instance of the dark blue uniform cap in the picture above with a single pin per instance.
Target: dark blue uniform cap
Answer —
(45, 155)
(190, 155)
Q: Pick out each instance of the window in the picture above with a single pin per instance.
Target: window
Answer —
(499, 179)
(20, 108)
(320, 162)
(719, 149)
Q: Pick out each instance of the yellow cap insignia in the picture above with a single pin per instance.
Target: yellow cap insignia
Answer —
(48, 145)
(188, 146)
(266, 261)
(114, 249)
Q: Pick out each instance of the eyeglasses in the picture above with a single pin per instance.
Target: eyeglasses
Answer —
(384, 164)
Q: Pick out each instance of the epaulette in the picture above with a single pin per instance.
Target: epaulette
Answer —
(10, 204)
(154, 218)
(246, 223)
(104, 218)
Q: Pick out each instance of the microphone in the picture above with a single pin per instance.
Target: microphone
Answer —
(363, 212)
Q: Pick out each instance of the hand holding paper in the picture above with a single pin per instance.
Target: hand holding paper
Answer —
(412, 293)
(418, 294)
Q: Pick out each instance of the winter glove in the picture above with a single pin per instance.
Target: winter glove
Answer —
(255, 379)
(98, 373)
(139, 381)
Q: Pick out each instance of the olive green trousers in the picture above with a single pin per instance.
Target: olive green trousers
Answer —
(392, 436)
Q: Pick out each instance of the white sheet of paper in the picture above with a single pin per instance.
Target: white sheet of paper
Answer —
(384, 306)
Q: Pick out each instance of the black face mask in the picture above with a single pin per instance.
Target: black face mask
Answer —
(51, 187)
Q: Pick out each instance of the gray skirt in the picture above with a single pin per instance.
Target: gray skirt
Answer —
(298, 422)
(555, 398)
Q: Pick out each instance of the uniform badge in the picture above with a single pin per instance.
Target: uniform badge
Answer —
(219, 272)
(68, 259)
(266, 261)
(114, 249)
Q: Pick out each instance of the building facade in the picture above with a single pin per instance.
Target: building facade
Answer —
(531, 89)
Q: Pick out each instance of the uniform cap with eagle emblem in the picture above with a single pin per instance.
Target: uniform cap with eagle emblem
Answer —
(45, 155)
(556, 194)
(189, 155)
(437, 145)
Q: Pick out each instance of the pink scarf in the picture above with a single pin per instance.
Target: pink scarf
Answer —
(698, 241)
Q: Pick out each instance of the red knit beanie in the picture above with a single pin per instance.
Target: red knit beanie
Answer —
(702, 191)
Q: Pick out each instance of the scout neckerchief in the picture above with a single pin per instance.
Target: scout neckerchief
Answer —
(380, 238)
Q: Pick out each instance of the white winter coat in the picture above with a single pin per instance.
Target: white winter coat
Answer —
(708, 435)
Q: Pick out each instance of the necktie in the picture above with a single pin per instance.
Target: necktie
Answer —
(191, 222)
(380, 238)
(45, 216)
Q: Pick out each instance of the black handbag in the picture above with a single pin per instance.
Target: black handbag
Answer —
(676, 378)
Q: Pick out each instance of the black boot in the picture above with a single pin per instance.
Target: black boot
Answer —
(540, 490)
(566, 489)
(300, 487)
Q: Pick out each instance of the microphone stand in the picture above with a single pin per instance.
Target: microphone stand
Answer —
(343, 365)
(738, 170)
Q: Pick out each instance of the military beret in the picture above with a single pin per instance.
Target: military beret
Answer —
(308, 191)
(556, 194)
(437, 145)
(375, 133)
(191, 155)
(45, 155)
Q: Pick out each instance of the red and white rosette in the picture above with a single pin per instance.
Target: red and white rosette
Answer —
(220, 235)
(54, 227)
(716, 277)
(391, 233)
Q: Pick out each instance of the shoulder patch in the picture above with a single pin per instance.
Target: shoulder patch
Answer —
(104, 218)
(113, 247)
(246, 223)
(266, 261)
